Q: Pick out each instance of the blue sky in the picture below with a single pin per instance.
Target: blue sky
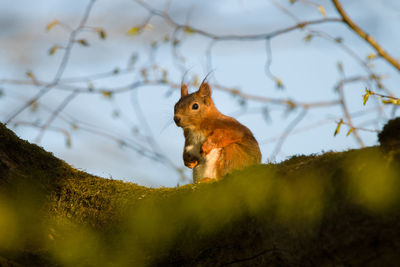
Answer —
(308, 71)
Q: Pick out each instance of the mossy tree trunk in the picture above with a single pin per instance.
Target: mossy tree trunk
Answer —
(336, 209)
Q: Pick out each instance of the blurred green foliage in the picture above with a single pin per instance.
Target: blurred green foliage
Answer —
(52, 214)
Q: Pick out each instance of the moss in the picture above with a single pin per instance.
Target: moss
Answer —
(338, 208)
(389, 137)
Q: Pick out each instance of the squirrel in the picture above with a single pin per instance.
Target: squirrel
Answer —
(215, 144)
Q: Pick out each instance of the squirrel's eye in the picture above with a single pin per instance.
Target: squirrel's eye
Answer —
(195, 106)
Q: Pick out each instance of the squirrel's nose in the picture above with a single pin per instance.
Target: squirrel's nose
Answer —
(177, 120)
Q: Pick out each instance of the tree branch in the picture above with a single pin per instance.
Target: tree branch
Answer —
(61, 67)
(354, 27)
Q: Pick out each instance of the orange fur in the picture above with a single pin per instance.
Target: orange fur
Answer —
(205, 130)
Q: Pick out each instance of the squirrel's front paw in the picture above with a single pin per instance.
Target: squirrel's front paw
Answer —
(190, 161)
(192, 164)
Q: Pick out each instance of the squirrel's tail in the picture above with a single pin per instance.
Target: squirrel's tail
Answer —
(237, 156)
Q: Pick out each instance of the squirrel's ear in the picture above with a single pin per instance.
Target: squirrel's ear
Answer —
(184, 90)
(205, 89)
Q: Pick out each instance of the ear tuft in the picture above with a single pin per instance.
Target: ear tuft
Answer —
(184, 90)
(205, 89)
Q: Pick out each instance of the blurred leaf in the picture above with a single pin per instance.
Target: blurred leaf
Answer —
(366, 96)
(338, 127)
(103, 35)
(148, 27)
(101, 32)
(322, 10)
(301, 25)
(30, 75)
(116, 71)
(372, 56)
(279, 83)
(106, 93)
(339, 40)
(350, 131)
(308, 38)
(235, 92)
(1, 92)
(68, 142)
(52, 24)
(189, 30)
(143, 72)
(175, 42)
(166, 38)
(53, 50)
(291, 104)
(340, 67)
(116, 113)
(134, 31)
(391, 101)
(82, 42)
(164, 76)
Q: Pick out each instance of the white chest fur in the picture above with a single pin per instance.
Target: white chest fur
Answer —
(207, 166)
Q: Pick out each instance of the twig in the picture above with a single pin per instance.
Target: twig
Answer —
(287, 131)
(97, 76)
(268, 62)
(138, 84)
(337, 42)
(354, 27)
(286, 102)
(54, 115)
(321, 123)
(61, 68)
(233, 37)
(150, 138)
(359, 128)
(348, 116)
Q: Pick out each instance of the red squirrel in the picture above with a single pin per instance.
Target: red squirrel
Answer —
(215, 144)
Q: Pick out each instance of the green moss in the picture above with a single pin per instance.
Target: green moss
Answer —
(318, 210)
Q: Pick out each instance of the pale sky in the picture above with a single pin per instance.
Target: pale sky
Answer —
(308, 71)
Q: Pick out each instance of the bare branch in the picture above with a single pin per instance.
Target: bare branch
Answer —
(62, 66)
(287, 131)
(354, 27)
(232, 37)
(54, 115)
(348, 116)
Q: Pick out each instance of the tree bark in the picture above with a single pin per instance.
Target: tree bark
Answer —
(334, 209)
